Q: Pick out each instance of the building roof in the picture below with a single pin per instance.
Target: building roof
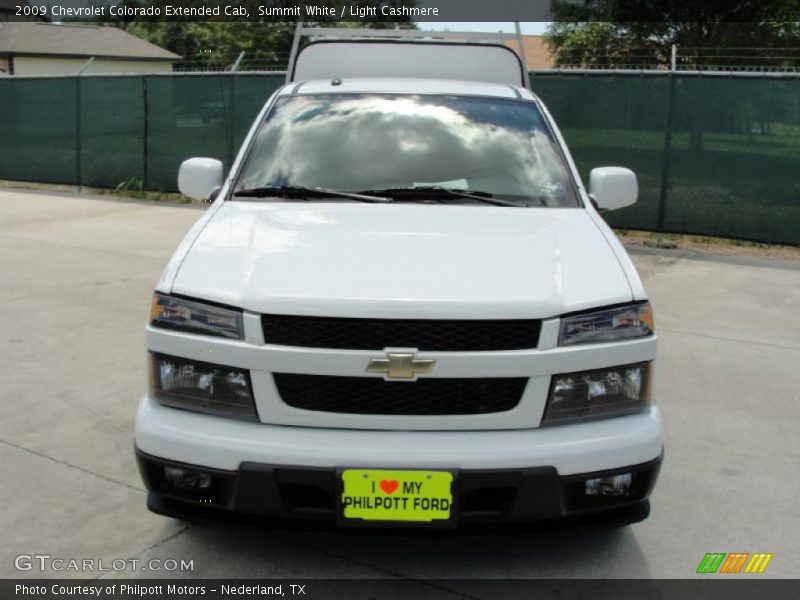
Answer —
(537, 53)
(46, 39)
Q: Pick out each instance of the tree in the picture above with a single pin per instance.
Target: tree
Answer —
(619, 33)
(641, 33)
(217, 41)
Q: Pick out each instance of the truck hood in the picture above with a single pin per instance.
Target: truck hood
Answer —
(402, 260)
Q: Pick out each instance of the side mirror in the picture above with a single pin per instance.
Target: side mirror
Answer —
(199, 178)
(613, 187)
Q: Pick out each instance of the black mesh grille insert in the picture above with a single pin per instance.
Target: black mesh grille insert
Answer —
(423, 334)
(376, 396)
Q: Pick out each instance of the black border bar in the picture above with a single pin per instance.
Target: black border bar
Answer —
(706, 588)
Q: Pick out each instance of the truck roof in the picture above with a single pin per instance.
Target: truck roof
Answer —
(417, 59)
(406, 86)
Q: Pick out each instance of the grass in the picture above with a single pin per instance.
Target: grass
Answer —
(710, 244)
(126, 189)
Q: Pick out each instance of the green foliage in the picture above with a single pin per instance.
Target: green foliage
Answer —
(215, 42)
(133, 185)
(611, 33)
(599, 44)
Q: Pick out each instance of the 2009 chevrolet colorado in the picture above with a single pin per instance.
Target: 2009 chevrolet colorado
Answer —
(402, 307)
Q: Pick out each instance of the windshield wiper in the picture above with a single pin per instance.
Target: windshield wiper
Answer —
(304, 193)
(424, 192)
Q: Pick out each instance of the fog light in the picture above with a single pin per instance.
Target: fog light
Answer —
(618, 485)
(186, 480)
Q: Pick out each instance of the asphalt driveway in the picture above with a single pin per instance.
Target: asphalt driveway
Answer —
(77, 274)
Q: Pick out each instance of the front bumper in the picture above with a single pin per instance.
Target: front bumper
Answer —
(224, 444)
(484, 496)
(286, 472)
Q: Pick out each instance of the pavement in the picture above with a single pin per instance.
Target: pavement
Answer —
(77, 275)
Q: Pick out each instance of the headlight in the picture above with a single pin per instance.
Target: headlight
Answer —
(201, 387)
(611, 392)
(607, 325)
(179, 314)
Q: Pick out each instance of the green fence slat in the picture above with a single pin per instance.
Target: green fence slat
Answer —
(197, 116)
(37, 129)
(112, 130)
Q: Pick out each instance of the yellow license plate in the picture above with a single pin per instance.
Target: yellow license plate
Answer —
(378, 495)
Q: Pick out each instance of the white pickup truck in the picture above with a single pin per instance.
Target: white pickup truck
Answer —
(403, 308)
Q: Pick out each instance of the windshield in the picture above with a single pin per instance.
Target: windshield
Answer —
(372, 142)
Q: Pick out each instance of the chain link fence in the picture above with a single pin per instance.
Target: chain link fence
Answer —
(714, 155)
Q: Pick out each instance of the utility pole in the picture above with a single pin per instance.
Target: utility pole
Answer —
(78, 132)
(525, 74)
(235, 66)
(665, 164)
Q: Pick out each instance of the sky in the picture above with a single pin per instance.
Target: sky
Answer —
(536, 28)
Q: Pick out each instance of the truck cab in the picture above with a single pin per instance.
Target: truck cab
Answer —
(402, 308)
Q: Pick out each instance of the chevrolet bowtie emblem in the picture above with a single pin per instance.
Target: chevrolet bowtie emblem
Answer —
(400, 365)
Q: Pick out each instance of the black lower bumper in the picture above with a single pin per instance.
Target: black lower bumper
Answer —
(484, 497)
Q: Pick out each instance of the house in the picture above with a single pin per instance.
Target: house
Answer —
(28, 48)
(537, 53)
